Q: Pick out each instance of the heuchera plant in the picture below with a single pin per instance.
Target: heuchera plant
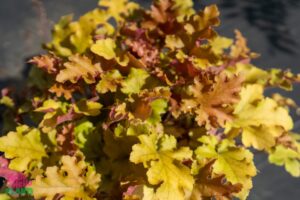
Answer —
(151, 104)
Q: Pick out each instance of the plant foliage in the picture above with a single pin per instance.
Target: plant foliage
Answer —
(157, 106)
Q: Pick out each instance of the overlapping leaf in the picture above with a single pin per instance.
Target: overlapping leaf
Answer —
(107, 49)
(75, 37)
(89, 108)
(74, 178)
(52, 109)
(23, 147)
(109, 81)
(79, 67)
(118, 7)
(288, 158)
(159, 157)
(262, 120)
(208, 186)
(210, 105)
(236, 163)
(135, 81)
(134, 98)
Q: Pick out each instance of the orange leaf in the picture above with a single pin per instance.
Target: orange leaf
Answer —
(211, 102)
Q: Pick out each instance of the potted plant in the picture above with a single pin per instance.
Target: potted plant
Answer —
(129, 103)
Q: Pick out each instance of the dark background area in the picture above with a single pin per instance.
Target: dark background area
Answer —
(271, 26)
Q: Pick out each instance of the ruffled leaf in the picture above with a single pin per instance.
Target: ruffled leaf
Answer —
(79, 67)
(73, 178)
(23, 147)
(288, 158)
(262, 120)
(160, 157)
(236, 163)
(135, 81)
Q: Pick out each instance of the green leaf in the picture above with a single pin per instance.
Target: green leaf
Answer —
(82, 130)
(288, 158)
(165, 169)
(23, 147)
(138, 129)
(135, 81)
(158, 107)
(88, 139)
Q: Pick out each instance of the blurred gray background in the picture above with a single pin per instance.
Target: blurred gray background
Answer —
(271, 26)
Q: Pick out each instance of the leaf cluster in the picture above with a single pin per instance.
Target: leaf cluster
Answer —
(146, 104)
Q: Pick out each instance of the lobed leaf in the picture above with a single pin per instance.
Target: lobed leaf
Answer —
(79, 67)
(23, 147)
(74, 178)
(173, 178)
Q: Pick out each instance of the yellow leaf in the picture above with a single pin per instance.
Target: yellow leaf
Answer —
(261, 119)
(261, 137)
(105, 48)
(219, 43)
(83, 28)
(23, 147)
(118, 7)
(109, 81)
(252, 74)
(61, 33)
(7, 101)
(135, 81)
(79, 67)
(159, 156)
(88, 108)
(73, 179)
(76, 37)
(173, 42)
(236, 163)
(184, 8)
(287, 157)
(5, 197)
(53, 109)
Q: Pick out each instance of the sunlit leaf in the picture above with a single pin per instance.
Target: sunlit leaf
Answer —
(236, 163)
(79, 67)
(74, 178)
(23, 147)
(174, 178)
(135, 81)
